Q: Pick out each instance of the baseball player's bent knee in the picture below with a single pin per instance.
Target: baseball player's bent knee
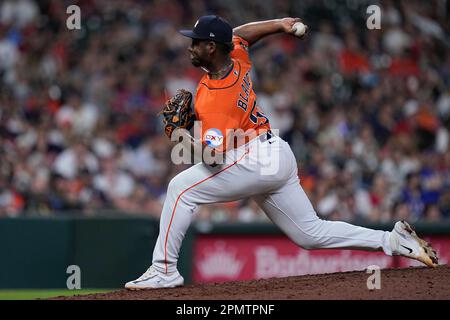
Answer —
(176, 190)
(309, 236)
(303, 240)
(177, 185)
(307, 244)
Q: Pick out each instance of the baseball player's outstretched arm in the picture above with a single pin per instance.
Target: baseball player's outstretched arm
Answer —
(252, 32)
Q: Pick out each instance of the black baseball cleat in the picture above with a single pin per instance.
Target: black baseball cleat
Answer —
(405, 242)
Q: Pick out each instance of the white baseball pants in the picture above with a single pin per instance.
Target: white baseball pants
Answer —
(267, 171)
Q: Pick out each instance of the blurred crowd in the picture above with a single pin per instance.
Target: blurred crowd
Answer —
(367, 112)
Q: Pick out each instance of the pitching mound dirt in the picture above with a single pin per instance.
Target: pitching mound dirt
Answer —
(411, 283)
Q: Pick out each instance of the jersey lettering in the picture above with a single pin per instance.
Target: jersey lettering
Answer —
(243, 95)
(242, 104)
(243, 98)
(257, 117)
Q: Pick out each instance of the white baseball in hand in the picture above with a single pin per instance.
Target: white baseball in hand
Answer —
(299, 29)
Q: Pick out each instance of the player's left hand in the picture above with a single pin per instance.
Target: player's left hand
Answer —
(177, 112)
(288, 23)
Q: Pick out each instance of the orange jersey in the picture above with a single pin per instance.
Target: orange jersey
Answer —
(229, 103)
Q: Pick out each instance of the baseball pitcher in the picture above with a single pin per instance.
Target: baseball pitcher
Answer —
(235, 166)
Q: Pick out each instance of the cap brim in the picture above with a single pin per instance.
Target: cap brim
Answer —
(191, 34)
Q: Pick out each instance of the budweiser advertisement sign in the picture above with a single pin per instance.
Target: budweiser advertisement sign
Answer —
(228, 258)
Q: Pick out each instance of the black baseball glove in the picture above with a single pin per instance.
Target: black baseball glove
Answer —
(177, 112)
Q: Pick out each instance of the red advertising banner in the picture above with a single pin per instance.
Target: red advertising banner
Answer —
(230, 258)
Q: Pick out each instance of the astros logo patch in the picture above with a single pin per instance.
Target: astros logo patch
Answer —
(213, 137)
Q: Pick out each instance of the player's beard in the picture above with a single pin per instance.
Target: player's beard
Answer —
(196, 62)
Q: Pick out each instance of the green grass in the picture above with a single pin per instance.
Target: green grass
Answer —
(30, 294)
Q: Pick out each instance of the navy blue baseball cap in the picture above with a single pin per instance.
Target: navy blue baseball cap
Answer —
(212, 28)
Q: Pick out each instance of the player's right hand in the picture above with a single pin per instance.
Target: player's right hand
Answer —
(288, 23)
